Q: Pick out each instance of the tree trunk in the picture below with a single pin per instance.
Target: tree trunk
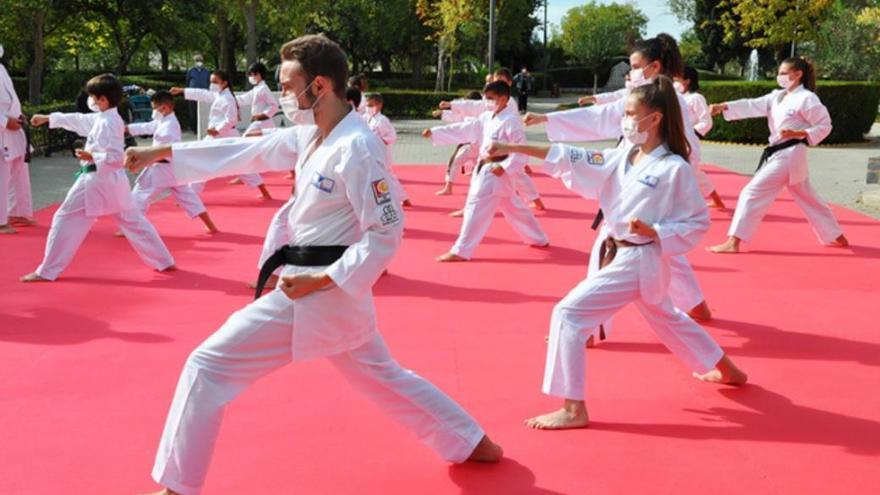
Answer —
(163, 53)
(595, 81)
(451, 71)
(223, 41)
(417, 62)
(385, 63)
(250, 14)
(441, 72)
(35, 73)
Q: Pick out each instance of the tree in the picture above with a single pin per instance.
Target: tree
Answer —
(127, 21)
(847, 43)
(593, 34)
(447, 19)
(768, 23)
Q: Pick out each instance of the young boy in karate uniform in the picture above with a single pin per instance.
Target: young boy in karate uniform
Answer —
(796, 118)
(345, 228)
(15, 186)
(384, 130)
(653, 210)
(101, 186)
(158, 178)
(492, 181)
(465, 155)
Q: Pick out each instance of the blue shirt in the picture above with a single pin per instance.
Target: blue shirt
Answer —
(198, 77)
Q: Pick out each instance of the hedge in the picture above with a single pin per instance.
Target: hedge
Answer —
(414, 104)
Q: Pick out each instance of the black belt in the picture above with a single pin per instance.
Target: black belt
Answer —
(491, 159)
(699, 135)
(771, 150)
(164, 160)
(299, 256)
(607, 253)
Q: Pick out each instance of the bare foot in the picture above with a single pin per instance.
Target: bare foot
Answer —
(540, 246)
(591, 342)
(172, 268)
(725, 373)
(572, 415)
(22, 221)
(407, 203)
(450, 257)
(716, 202)
(236, 180)
(446, 191)
(527, 169)
(118, 233)
(486, 451)
(290, 175)
(33, 277)
(538, 205)
(701, 312)
(730, 246)
(166, 491)
(457, 214)
(841, 241)
(271, 282)
(212, 230)
(7, 229)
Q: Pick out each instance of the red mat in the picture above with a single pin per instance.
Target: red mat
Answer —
(88, 364)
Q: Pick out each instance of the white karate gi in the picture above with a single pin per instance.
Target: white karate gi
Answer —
(522, 183)
(15, 183)
(159, 177)
(488, 192)
(222, 117)
(262, 102)
(660, 191)
(600, 122)
(342, 199)
(799, 110)
(467, 154)
(94, 194)
(384, 130)
(698, 112)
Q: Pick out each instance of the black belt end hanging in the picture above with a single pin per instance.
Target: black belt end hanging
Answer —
(299, 256)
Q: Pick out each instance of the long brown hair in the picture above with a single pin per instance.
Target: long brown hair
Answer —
(663, 48)
(808, 72)
(224, 76)
(662, 97)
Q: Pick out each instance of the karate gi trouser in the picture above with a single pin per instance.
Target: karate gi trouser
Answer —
(277, 235)
(256, 341)
(703, 182)
(396, 186)
(595, 300)
(479, 209)
(684, 288)
(756, 198)
(524, 186)
(458, 161)
(71, 224)
(4, 190)
(184, 195)
(20, 201)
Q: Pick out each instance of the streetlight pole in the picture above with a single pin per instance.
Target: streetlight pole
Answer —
(491, 35)
(546, 55)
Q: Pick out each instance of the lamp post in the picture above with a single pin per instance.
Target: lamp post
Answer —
(491, 35)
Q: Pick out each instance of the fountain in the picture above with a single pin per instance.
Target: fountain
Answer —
(752, 66)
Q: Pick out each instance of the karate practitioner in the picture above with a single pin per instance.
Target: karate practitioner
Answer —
(688, 86)
(158, 178)
(384, 130)
(345, 227)
(101, 186)
(15, 185)
(648, 59)
(222, 119)
(491, 185)
(797, 119)
(263, 104)
(465, 155)
(653, 210)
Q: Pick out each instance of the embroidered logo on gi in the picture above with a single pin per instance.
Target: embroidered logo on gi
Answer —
(325, 184)
(575, 154)
(596, 158)
(650, 181)
(381, 192)
(389, 215)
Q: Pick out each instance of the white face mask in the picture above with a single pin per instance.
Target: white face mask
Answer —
(157, 115)
(252, 80)
(629, 126)
(295, 114)
(637, 78)
(372, 111)
(214, 88)
(784, 81)
(199, 64)
(490, 105)
(93, 105)
(679, 87)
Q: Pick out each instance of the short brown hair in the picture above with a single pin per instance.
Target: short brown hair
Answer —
(319, 56)
(105, 85)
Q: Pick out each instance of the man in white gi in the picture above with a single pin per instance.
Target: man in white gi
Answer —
(16, 208)
(345, 227)
(492, 185)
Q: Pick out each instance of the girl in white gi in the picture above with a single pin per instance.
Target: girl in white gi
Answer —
(158, 178)
(101, 186)
(465, 155)
(15, 185)
(649, 59)
(688, 86)
(653, 210)
(491, 185)
(263, 104)
(345, 227)
(222, 119)
(797, 119)
(384, 130)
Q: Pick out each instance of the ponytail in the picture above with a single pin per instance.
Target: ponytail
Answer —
(808, 72)
(224, 76)
(662, 97)
(665, 49)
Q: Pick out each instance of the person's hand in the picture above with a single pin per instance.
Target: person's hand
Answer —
(13, 124)
(303, 284)
(497, 148)
(436, 113)
(39, 119)
(498, 170)
(638, 227)
(138, 157)
(84, 155)
(177, 91)
(445, 105)
(531, 118)
(259, 117)
(426, 133)
(792, 134)
(212, 132)
(586, 100)
(717, 108)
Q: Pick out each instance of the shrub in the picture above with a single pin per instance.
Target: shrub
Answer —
(414, 104)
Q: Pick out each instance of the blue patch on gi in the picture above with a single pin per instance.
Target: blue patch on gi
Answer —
(325, 184)
(575, 154)
(650, 181)
(596, 158)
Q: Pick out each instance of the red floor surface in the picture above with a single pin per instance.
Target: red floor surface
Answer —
(88, 364)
